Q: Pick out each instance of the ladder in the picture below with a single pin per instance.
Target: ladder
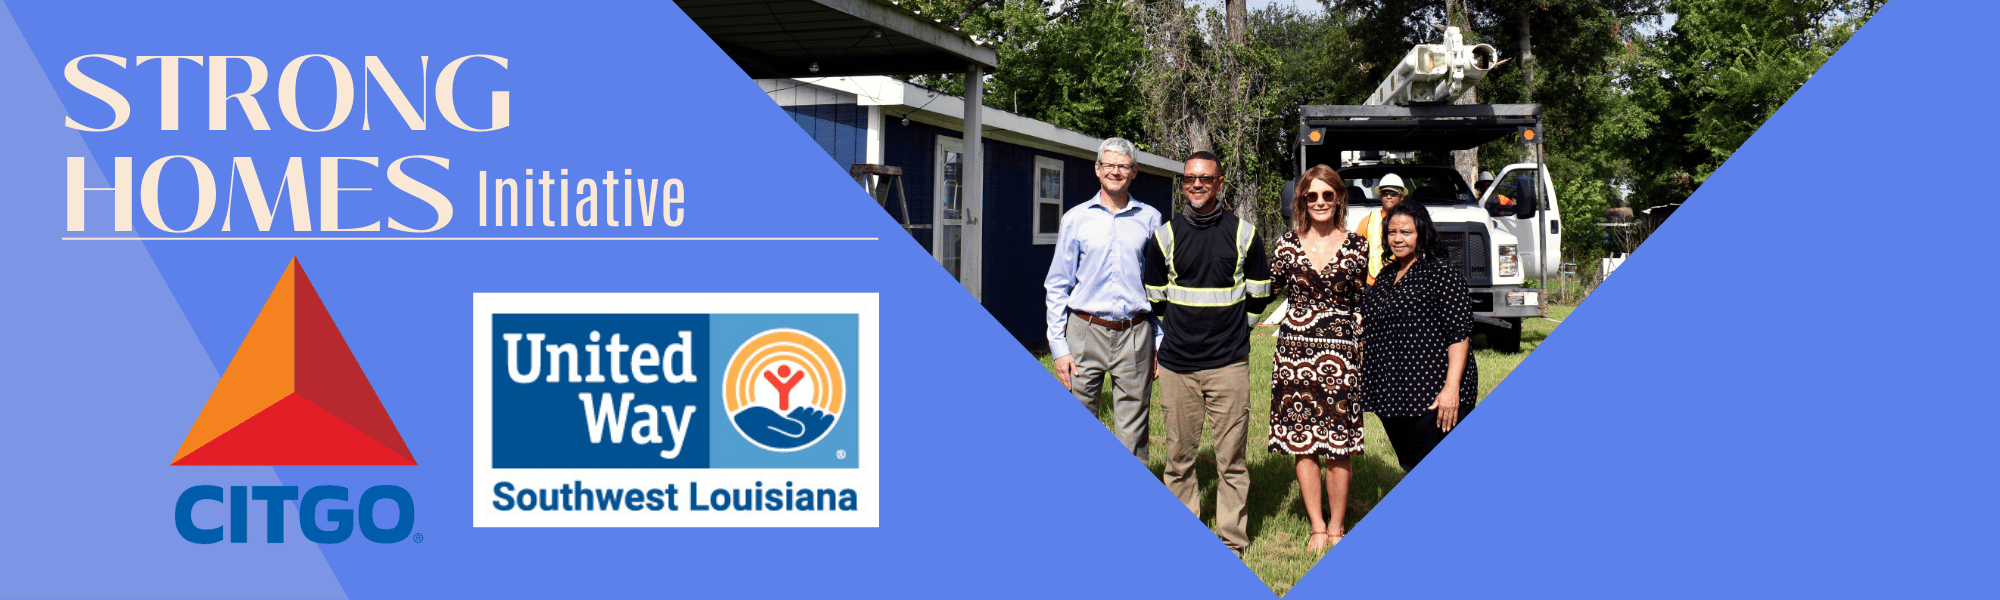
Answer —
(883, 178)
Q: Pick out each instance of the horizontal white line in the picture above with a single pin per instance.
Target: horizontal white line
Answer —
(471, 239)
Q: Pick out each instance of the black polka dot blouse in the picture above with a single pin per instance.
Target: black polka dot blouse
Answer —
(1407, 329)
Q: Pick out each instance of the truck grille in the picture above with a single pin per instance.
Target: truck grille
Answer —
(1467, 245)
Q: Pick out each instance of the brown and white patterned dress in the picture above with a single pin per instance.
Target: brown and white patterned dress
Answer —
(1314, 407)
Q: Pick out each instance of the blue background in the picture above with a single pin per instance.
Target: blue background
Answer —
(1823, 431)
(542, 425)
(731, 451)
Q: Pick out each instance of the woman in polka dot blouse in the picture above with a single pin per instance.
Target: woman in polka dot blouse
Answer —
(1417, 370)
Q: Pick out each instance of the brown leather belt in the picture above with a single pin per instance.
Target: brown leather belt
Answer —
(1109, 324)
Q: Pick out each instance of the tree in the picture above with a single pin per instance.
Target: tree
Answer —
(1587, 116)
(1642, 99)
(1203, 91)
(1068, 63)
(1721, 70)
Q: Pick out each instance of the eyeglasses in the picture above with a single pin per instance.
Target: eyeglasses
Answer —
(1115, 167)
(1208, 179)
(1322, 196)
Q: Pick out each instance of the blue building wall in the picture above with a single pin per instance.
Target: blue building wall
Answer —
(913, 148)
(840, 129)
(1012, 266)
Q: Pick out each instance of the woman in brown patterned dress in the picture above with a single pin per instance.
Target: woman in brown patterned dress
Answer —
(1322, 267)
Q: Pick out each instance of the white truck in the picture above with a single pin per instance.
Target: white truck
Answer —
(1498, 239)
(1512, 232)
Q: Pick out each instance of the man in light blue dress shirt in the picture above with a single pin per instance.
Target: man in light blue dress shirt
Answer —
(1098, 315)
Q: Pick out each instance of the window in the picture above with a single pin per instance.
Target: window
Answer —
(1048, 186)
(948, 245)
(1425, 183)
(1512, 183)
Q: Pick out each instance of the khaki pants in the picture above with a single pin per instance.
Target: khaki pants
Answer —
(1223, 396)
(1127, 355)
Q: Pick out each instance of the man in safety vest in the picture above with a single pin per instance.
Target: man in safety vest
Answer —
(1391, 191)
(1205, 274)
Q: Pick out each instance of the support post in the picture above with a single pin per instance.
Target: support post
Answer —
(1542, 216)
(875, 135)
(975, 177)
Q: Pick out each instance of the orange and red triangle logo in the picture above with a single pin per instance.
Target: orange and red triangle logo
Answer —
(293, 395)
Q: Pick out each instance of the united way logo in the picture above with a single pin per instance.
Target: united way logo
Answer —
(674, 410)
(784, 390)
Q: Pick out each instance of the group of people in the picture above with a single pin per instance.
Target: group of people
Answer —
(1137, 299)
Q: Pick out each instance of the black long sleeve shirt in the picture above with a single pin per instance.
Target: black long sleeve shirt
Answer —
(1206, 321)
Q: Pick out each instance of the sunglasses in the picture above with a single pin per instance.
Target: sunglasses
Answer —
(1322, 196)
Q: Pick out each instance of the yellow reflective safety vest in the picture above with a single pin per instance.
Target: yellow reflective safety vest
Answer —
(1238, 288)
(1378, 246)
(1202, 282)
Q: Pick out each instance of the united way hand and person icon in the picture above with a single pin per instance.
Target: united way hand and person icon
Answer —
(784, 390)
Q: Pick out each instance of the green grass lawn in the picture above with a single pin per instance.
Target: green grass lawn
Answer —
(1278, 523)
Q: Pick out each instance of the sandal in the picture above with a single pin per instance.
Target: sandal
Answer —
(1321, 545)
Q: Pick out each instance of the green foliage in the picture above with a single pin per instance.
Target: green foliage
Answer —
(1202, 92)
(1583, 202)
(1579, 50)
(1642, 99)
(1723, 69)
(1646, 97)
(1076, 72)
(1074, 69)
(1316, 57)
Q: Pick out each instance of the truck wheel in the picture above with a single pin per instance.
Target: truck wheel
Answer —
(1506, 340)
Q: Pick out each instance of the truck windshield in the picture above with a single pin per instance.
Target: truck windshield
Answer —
(1429, 185)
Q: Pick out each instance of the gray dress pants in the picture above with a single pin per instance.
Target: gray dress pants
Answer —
(1127, 356)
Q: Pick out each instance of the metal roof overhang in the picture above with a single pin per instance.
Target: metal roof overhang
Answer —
(787, 38)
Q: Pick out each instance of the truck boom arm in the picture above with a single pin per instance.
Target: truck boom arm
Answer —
(1436, 72)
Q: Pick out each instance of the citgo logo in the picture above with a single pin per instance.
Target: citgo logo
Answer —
(784, 390)
(675, 410)
(294, 395)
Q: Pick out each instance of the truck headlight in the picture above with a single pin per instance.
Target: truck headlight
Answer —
(1510, 261)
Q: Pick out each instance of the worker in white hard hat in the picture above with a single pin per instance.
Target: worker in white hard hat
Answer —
(1485, 181)
(1391, 191)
